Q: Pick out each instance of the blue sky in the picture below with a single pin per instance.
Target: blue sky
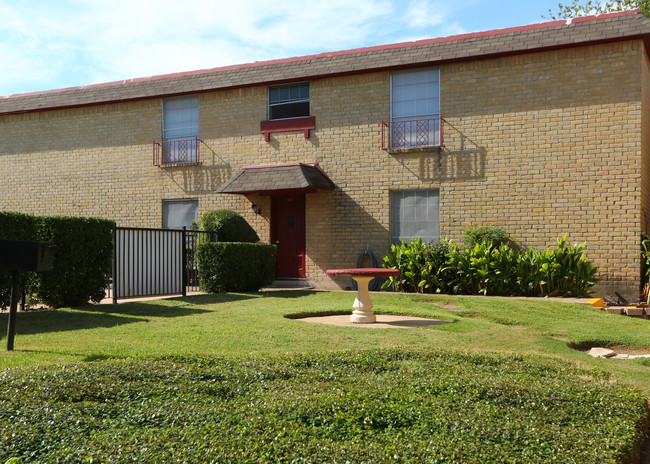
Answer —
(47, 44)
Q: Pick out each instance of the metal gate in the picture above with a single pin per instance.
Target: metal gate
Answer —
(149, 262)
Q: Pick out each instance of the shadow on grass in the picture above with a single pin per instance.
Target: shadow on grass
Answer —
(215, 298)
(92, 317)
(111, 315)
(144, 309)
(287, 293)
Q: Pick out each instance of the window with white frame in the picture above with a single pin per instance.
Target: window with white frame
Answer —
(289, 101)
(179, 213)
(415, 108)
(415, 214)
(180, 129)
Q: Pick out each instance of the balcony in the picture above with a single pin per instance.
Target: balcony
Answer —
(412, 134)
(182, 152)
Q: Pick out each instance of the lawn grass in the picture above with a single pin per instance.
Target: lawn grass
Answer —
(469, 372)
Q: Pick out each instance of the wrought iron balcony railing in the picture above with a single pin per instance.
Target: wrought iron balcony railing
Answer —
(180, 152)
(414, 133)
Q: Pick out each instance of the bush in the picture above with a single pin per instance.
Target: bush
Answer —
(229, 226)
(16, 226)
(235, 267)
(565, 270)
(484, 269)
(492, 235)
(421, 265)
(83, 260)
(489, 269)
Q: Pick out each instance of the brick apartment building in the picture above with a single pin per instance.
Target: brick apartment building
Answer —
(541, 130)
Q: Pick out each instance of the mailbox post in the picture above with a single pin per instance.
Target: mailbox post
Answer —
(18, 256)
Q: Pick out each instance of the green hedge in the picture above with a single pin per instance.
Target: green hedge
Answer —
(235, 267)
(16, 226)
(82, 258)
(229, 226)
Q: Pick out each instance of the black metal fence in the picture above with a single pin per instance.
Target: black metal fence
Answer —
(149, 262)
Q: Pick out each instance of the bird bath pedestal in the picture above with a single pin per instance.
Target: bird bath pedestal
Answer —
(363, 313)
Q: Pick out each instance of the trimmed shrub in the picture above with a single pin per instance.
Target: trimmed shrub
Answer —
(235, 267)
(82, 260)
(229, 226)
(16, 226)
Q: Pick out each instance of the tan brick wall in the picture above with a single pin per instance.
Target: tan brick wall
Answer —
(556, 149)
(541, 144)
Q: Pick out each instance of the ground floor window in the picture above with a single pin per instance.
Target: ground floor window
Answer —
(179, 213)
(415, 214)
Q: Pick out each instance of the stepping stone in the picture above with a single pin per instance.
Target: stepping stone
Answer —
(601, 352)
(634, 311)
(614, 310)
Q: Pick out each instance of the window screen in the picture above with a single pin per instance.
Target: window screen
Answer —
(415, 214)
(180, 117)
(179, 213)
(415, 94)
(289, 101)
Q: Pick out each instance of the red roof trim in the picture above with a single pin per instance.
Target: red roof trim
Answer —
(472, 35)
(262, 166)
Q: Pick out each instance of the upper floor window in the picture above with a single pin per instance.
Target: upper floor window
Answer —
(289, 101)
(181, 117)
(180, 145)
(415, 109)
(415, 94)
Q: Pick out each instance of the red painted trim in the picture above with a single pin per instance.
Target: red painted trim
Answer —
(584, 19)
(280, 192)
(286, 125)
(260, 166)
(364, 272)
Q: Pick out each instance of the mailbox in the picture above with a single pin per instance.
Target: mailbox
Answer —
(20, 255)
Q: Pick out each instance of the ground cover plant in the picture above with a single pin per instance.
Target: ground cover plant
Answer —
(367, 406)
(169, 377)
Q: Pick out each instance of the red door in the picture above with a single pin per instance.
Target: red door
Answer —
(288, 234)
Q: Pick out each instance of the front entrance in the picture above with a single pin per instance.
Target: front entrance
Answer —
(288, 234)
